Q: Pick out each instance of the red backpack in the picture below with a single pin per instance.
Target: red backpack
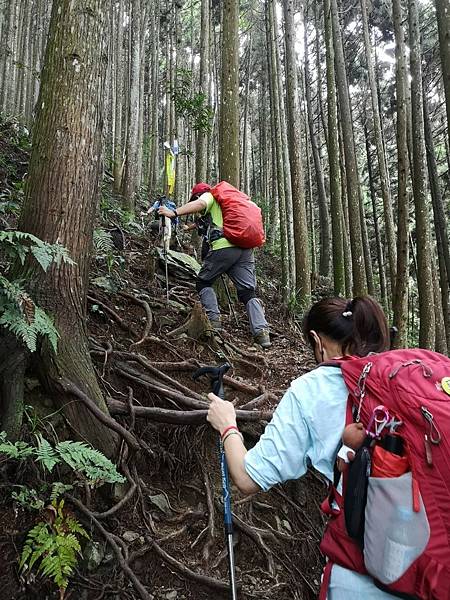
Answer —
(414, 386)
(242, 219)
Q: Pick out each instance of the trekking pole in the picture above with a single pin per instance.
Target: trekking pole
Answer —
(216, 376)
(227, 291)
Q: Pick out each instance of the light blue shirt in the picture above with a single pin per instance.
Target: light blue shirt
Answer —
(306, 429)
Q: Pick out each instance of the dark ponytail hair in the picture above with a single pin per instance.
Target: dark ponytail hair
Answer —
(358, 325)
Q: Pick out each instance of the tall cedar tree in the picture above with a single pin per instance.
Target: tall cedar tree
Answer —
(62, 195)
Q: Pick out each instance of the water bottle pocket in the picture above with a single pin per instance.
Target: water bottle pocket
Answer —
(395, 535)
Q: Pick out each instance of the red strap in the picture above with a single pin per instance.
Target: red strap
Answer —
(325, 581)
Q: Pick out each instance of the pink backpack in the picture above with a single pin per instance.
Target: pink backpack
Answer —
(406, 545)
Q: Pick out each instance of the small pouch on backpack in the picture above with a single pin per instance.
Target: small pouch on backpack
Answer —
(356, 492)
(395, 534)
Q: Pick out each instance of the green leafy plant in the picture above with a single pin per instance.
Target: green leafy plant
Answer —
(192, 107)
(18, 312)
(54, 546)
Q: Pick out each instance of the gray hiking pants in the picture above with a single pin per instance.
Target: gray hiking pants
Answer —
(239, 265)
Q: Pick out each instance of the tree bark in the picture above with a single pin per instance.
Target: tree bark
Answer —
(201, 155)
(400, 303)
(62, 195)
(302, 262)
(229, 98)
(324, 218)
(379, 143)
(424, 274)
(443, 21)
(337, 216)
(351, 166)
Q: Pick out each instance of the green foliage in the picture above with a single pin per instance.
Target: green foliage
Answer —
(191, 106)
(28, 498)
(85, 461)
(54, 546)
(18, 312)
(88, 461)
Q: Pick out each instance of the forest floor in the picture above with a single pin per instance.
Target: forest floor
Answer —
(171, 525)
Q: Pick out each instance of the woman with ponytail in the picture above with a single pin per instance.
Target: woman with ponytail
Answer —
(308, 423)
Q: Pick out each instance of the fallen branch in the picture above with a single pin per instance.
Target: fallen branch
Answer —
(137, 377)
(104, 418)
(143, 593)
(180, 417)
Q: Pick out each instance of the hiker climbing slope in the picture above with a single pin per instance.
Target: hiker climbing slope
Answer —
(231, 239)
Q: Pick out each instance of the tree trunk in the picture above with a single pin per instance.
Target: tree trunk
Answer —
(302, 263)
(351, 166)
(229, 98)
(443, 21)
(118, 91)
(337, 216)
(382, 165)
(400, 303)
(324, 217)
(424, 275)
(62, 195)
(130, 183)
(440, 221)
(201, 155)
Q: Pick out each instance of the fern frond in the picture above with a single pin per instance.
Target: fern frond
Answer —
(17, 450)
(45, 454)
(90, 462)
(103, 242)
(58, 489)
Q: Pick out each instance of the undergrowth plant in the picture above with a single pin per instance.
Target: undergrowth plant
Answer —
(18, 312)
(53, 545)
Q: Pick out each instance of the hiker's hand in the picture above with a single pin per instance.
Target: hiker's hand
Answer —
(166, 212)
(221, 414)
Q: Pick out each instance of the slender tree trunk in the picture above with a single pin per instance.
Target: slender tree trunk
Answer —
(118, 91)
(382, 165)
(302, 263)
(62, 195)
(324, 217)
(130, 183)
(351, 166)
(443, 20)
(201, 156)
(229, 99)
(440, 222)
(337, 216)
(400, 304)
(424, 275)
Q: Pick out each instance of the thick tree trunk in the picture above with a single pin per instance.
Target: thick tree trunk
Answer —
(62, 194)
(302, 263)
(400, 303)
(351, 166)
(337, 216)
(118, 91)
(229, 96)
(424, 274)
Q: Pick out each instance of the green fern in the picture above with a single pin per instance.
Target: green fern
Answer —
(15, 321)
(103, 242)
(56, 545)
(18, 450)
(45, 454)
(89, 462)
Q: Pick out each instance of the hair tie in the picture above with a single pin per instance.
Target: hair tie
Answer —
(347, 313)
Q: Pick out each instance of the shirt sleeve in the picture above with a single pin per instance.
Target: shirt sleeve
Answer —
(282, 451)
(209, 199)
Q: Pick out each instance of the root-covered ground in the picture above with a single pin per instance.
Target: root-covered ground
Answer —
(160, 536)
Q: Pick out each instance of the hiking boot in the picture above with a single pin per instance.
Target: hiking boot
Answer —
(216, 325)
(263, 339)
